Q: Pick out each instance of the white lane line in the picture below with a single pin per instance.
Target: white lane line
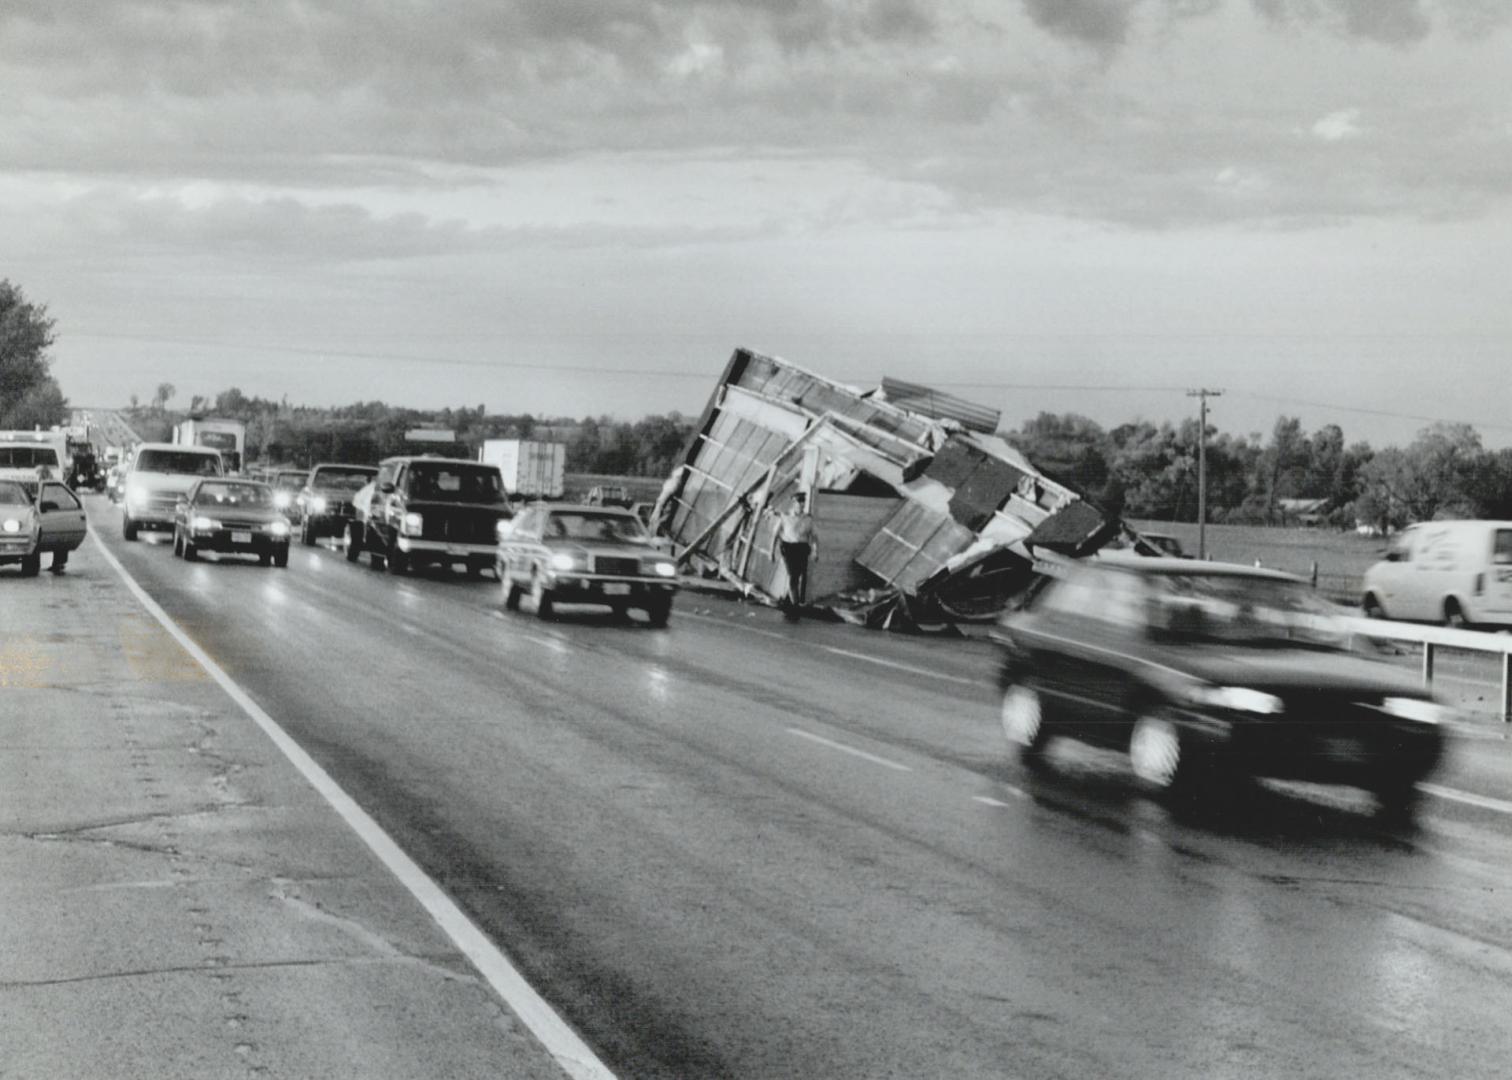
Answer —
(1484, 802)
(925, 672)
(564, 1044)
(735, 625)
(988, 800)
(554, 643)
(821, 740)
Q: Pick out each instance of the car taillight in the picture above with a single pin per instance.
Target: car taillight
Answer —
(1480, 584)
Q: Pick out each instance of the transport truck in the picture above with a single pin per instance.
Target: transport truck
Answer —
(33, 456)
(227, 436)
(532, 470)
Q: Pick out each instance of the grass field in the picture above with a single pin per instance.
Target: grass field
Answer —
(1341, 557)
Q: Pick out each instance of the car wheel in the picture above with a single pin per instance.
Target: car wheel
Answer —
(128, 528)
(1023, 717)
(1156, 753)
(307, 534)
(1454, 615)
(545, 606)
(1396, 799)
(1372, 607)
(659, 611)
(351, 543)
(31, 565)
(264, 558)
(281, 557)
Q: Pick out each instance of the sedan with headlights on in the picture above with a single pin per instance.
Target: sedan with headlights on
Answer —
(231, 517)
(566, 553)
(1203, 672)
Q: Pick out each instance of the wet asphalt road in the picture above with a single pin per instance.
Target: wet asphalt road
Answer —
(737, 848)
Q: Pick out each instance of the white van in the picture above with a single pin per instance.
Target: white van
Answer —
(158, 476)
(1455, 572)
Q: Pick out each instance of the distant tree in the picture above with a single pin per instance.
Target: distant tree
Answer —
(29, 395)
(136, 402)
(164, 394)
(1068, 447)
(1433, 477)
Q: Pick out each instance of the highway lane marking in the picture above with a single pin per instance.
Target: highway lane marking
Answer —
(988, 800)
(1484, 802)
(875, 759)
(561, 1042)
(863, 657)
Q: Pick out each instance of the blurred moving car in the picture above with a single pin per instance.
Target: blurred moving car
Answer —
(324, 504)
(1202, 672)
(423, 510)
(287, 484)
(567, 553)
(231, 516)
(157, 478)
(1455, 572)
(29, 528)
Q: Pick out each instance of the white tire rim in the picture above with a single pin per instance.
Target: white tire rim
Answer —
(1022, 715)
(1155, 751)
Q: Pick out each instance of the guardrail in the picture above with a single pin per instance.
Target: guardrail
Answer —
(1433, 638)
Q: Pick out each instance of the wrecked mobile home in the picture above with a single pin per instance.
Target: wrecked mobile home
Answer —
(924, 516)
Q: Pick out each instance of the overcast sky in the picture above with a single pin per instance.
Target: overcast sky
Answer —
(582, 206)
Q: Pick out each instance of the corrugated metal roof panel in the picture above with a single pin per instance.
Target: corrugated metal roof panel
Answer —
(941, 406)
(915, 542)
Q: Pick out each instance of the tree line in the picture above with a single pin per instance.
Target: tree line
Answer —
(1148, 471)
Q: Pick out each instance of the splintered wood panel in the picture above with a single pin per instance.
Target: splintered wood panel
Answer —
(845, 525)
(912, 544)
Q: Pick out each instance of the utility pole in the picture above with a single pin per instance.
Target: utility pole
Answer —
(1203, 394)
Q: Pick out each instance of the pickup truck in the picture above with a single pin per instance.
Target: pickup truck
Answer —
(426, 510)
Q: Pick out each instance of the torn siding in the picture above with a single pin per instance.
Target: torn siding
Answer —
(919, 511)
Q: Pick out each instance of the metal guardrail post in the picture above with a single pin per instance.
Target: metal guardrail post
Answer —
(1428, 649)
(1506, 702)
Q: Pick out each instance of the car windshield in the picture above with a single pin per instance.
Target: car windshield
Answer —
(242, 494)
(341, 479)
(27, 457)
(1239, 609)
(183, 462)
(451, 482)
(573, 525)
(13, 494)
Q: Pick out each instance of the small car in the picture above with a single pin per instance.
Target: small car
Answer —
(231, 516)
(324, 504)
(573, 554)
(1203, 672)
(286, 484)
(53, 522)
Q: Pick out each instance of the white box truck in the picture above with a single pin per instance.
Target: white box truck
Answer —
(227, 436)
(532, 470)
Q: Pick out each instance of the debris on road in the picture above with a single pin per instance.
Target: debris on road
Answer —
(925, 516)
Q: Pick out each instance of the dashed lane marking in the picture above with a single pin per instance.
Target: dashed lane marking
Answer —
(1468, 798)
(875, 759)
(561, 1042)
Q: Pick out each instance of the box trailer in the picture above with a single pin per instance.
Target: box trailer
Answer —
(227, 436)
(532, 470)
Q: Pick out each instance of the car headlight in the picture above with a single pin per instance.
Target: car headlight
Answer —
(502, 528)
(201, 523)
(279, 528)
(1419, 709)
(414, 524)
(281, 499)
(10, 525)
(1237, 699)
(136, 497)
(562, 561)
(317, 504)
(663, 568)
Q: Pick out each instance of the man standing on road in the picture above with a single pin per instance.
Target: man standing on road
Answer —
(796, 538)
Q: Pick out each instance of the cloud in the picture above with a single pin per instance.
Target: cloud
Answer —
(1392, 22)
(1343, 124)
